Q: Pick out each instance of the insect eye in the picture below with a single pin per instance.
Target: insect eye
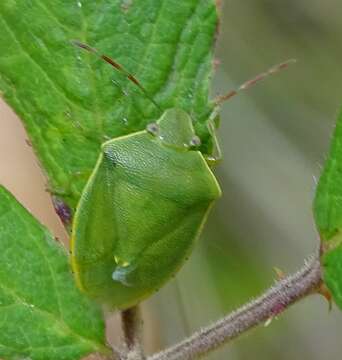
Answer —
(195, 141)
(153, 128)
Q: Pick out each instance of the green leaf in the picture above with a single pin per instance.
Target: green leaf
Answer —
(43, 315)
(70, 101)
(328, 215)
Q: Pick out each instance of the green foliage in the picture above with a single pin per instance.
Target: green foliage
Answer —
(70, 102)
(139, 216)
(43, 314)
(328, 215)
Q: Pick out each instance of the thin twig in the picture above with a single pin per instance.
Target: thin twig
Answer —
(273, 302)
(132, 332)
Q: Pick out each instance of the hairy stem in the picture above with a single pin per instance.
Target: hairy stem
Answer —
(273, 302)
(132, 332)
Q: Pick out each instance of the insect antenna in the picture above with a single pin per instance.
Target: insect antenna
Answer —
(118, 67)
(249, 83)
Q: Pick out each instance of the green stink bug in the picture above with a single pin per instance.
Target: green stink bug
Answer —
(141, 211)
(142, 208)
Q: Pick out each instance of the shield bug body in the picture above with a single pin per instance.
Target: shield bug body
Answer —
(144, 206)
(141, 211)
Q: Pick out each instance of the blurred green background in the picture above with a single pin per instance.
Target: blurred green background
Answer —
(274, 139)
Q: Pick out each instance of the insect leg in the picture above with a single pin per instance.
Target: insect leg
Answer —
(216, 156)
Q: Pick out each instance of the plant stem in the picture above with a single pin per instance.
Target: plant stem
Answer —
(274, 301)
(132, 332)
